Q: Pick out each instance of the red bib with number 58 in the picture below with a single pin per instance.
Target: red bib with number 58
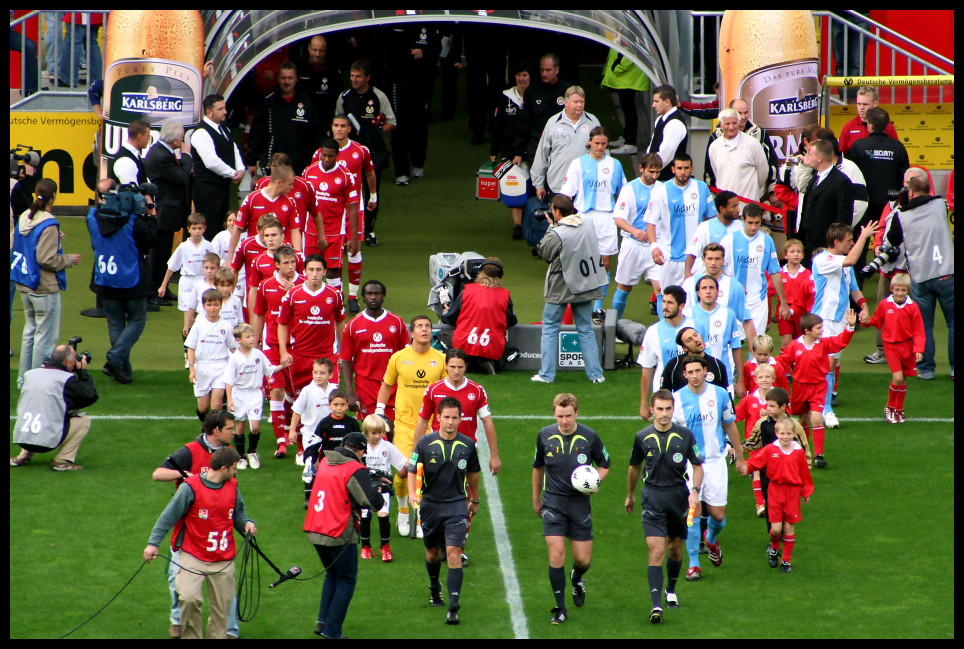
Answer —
(209, 523)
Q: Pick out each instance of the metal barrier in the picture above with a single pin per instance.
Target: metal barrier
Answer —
(65, 61)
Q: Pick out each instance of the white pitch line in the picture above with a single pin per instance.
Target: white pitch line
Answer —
(513, 596)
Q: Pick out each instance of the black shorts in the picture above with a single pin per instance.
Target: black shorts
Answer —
(664, 512)
(569, 516)
(444, 524)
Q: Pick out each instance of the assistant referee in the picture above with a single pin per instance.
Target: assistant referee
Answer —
(665, 448)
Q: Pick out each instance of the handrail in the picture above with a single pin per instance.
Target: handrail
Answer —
(897, 34)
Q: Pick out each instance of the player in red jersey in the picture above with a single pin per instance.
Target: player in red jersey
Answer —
(301, 192)
(799, 290)
(266, 309)
(357, 159)
(807, 359)
(310, 324)
(269, 238)
(903, 334)
(263, 266)
(367, 344)
(335, 192)
(475, 404)
(270, 200)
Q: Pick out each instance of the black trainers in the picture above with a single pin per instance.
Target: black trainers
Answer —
(656, 615)
(578, 591)
(435, 598)
(371, 240)
(773, 556)
(785, 566)
(599, 316)
(452, 617)
(517, 232)
(820, 462)
(353, 305)
(558, 616)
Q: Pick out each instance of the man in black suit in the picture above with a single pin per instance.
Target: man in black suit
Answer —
(169, 166)
(829, 198)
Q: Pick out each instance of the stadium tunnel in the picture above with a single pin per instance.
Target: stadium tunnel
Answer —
(236, 41)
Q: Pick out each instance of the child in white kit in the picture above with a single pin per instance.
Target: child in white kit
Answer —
(381, 456)
(188, 260)
(222, 242)
(243, 376)
(231, 309)
(311, 406)
(209, 344)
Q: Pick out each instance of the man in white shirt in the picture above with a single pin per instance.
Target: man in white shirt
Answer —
(128, 166)
(217, 164)
(738, 162)
(670, 135)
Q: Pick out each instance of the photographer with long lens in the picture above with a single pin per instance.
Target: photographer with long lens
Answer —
(38, 268)
(920, 223)
(122, 230)
(48, 416)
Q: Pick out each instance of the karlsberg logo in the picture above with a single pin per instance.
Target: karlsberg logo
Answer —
(794, 105)
(151, 102)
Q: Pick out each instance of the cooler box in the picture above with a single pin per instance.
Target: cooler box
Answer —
(514, 186)
(486, 184)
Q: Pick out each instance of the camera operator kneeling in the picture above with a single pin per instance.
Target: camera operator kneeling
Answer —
(47, 411)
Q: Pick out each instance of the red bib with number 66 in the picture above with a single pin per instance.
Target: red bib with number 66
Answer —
(481, 326)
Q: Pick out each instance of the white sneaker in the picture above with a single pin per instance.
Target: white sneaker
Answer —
(615, 144)
(538, 378)
(830, 420)
(404, 527)
(242, 464)
(418, 532)
(254, 461)
(418, 172)
(601, 379)
(626, 149)
(300, 459)
(401, 180)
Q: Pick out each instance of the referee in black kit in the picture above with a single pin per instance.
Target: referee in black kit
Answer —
(665, 448)
(449, 461)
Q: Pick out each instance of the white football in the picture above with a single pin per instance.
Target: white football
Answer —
(585, 479)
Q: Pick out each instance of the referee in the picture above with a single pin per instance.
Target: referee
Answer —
(450, 462)
(665, 448)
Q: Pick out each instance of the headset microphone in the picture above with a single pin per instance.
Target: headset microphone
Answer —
(292, 573)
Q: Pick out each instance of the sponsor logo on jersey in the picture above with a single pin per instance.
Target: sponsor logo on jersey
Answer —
(202, 514)
(315, 310)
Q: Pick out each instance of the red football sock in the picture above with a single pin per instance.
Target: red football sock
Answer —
(818, 440)
(758, 493)
(836, 378)
(892, 396)
(788, 542)
(355, 272)
(774, 540)
(899, 397)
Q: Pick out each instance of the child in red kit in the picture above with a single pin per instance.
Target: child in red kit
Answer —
(808, 361)
(799, 289)
(785, 462)
(900, 320)
(761, 350)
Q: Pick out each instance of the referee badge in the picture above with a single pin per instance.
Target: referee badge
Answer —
(463, 464)
(678, 458)
(582, 458)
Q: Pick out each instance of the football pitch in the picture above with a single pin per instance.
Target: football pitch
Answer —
(874, 554)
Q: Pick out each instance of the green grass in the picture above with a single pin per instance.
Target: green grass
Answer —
(874, 556)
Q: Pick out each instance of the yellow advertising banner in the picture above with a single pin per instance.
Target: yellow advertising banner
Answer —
(856, 82)
(925, 130)
(65, 144)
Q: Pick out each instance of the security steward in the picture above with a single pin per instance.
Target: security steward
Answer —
(47, 411)
(341, 490)
(449, 461)
(665, 448)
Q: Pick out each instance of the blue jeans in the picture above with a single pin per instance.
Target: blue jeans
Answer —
(40, 331)
(551, 322)
(28, 54)
(126, 320)
(927, 295)
(77, 34)
(341, 565)
(53, 39)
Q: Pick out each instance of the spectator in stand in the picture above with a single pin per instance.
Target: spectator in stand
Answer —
(921, 226)
(319, 78)
(737, 162)
(856, 129)
(625, 79)
(709, 110)
(670, 134)
(82, 28)
(540, 101)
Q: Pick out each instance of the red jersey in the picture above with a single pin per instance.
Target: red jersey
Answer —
(779, 375)
(856, 129)
(480, 328)
(268, 304)
(354, 157)
(368, 343)
(783, 468)
(748, 410)
(303, 195)
(209, 523)
(811, 364)
(263, 267)
(470, 394)
(257, 204)
(311, 319)
(799, 290)
(899, 322)
(335, 190)
(246, 254)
